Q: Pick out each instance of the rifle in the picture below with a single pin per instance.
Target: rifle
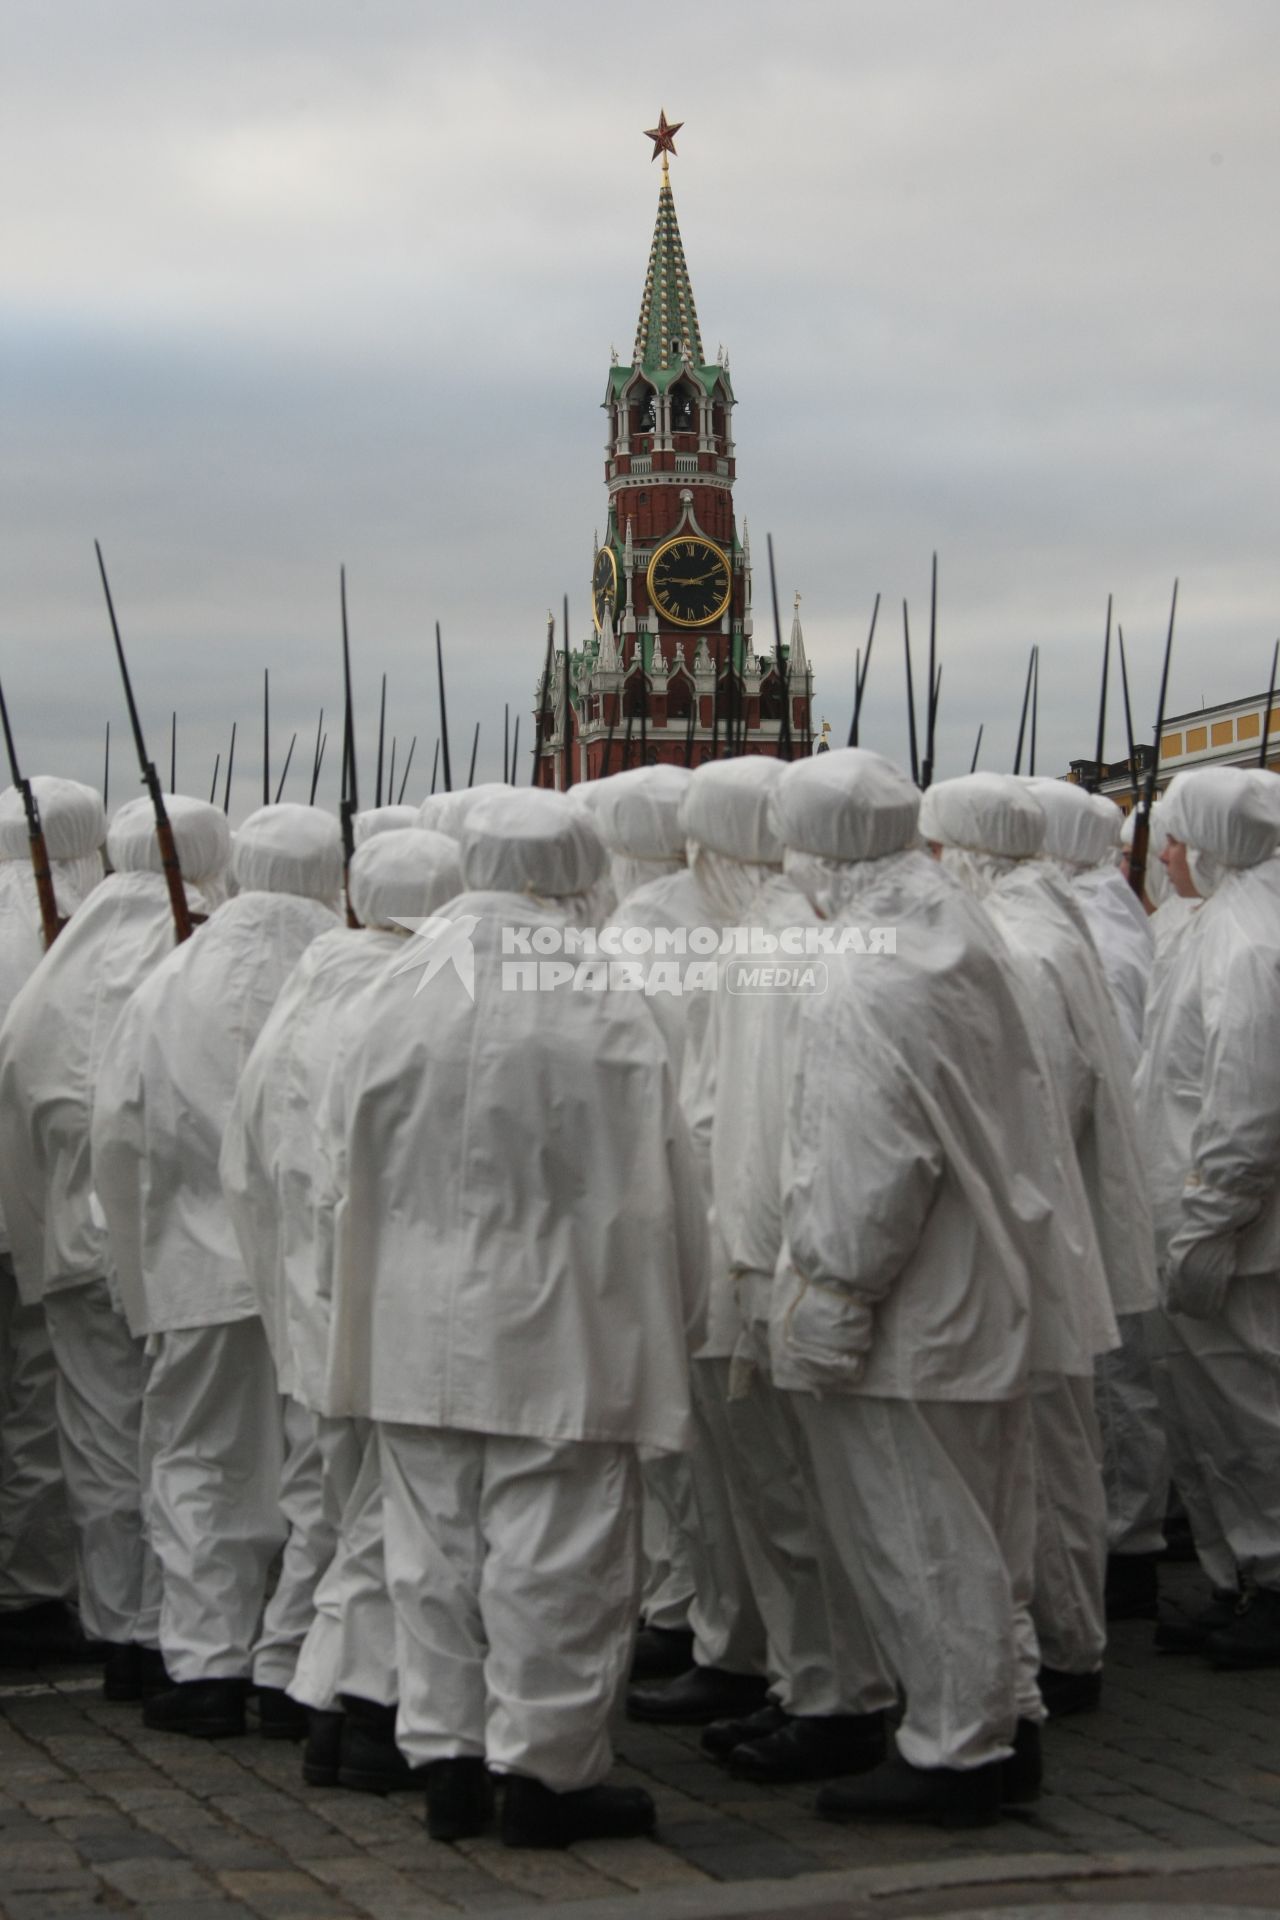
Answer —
(860, 675)
(935, 675)
(382, 738)
(285, 775)
(911, 697)
(515, 748)
(173, 754)
(1022, 722)
(444, 712)
(784, 738)
(182, 921)
(568, 704)
(51, 922)
(231, 760)
(1142, 813)
(435, 764)
(408, 763)
(391, 773)
(1096, 782)
(1035, 712)
(1266, 718)
(977, 748)
(475, 748)
(1128, 715)
(315, 757)
(349, 799)
(217, 768)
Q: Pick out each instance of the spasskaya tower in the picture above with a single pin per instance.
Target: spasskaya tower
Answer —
(670, 672)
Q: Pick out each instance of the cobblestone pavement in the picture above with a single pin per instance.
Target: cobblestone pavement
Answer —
(1174, 1784)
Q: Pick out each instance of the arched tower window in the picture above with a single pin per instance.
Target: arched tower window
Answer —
(644, 414)
(684, 408)
(679, 696)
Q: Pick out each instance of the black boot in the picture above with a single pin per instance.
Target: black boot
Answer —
(1133, 1586)
(1252, 1638)
(371, 1762)
(812, 1748)
(205, 1709)
(1022, 1774)
(1065, 1693)
(697, 1697)
(946, 1796)
(321, 1755)
(722, 1736)
(131, 1672)
(47, 1634)
(661, 1653)
(459, 1799)
(279, 1717)
(534, 1816)
(1181, 1632)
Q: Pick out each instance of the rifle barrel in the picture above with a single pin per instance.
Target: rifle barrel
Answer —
(911, 697)
(780, 660)
(1266, 718)
(1022, 722)
(444, 711)
(1102, 706)
(285, 775)
(151, 779)
(408, 763)
(860, 675)
(568, 704)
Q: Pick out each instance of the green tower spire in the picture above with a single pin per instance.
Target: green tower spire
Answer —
(667, 331)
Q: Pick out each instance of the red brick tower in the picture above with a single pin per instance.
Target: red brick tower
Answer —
(670, 672)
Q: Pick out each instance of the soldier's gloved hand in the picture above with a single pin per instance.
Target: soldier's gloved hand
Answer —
(1198, 1275)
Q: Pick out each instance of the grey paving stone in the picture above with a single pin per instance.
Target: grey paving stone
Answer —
(146, 1881)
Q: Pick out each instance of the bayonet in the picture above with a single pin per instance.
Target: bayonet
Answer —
(182, 923)
(860, 676)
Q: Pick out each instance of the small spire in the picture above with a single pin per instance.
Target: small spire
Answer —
(798, 659)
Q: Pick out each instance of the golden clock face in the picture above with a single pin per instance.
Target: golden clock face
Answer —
(689, 581)
(604, 584)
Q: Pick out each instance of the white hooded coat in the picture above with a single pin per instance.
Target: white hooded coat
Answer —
(637, 815)
(924, 1198)
(53, 1041)
(1207, 1086)
(74, 830)
(1082, 837)
(992, 828)
(268, 1154)
(520, 1241)
(169, 1075)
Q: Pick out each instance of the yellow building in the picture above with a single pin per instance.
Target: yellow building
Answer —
(1228, 735)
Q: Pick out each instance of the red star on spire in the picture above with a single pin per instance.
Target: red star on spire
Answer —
(663, 135)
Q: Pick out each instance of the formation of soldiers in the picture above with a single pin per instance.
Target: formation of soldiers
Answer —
(809, 1222)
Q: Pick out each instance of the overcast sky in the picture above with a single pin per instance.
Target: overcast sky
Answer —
(289, 283)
